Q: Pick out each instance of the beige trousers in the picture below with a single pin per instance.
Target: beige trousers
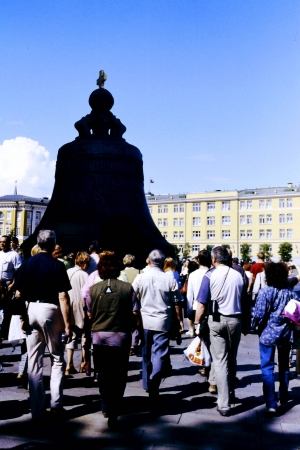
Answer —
(46, 326)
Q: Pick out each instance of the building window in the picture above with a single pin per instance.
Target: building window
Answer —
(159, 209)
(261, 234)
(180, 246)
(225, 206)
(289, 218)
(181, 235)
(165, 222)
(37, 218)
(8, 217)
(18, 231)
(210, 220)
(226, 220)
(175, 222)
(281, 218)
(159, 223)
(211, 206)
(261, 204)
(225, 234)
(289, 203)
(242, 205)
(289, 234)
(249, 234)
(211, 234)
(27, 231)
(195, 248)
(19, 215)
(249, 204)
(242, 220)
(261, 219)
(196, 207)
(1, 228)
(281, 234)
(181, 221)
(150, 209)
(268, 204)
(281, 203)
(175, 208)
(196, 221)
(8, 230)
(196, 234)
(269, 234)
(181, 207)
(269, 218)
(242, 234)
(175, 235)
(249, 220)
(165, 235)
(166, 209)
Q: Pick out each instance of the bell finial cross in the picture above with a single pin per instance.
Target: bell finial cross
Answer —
(101, 80)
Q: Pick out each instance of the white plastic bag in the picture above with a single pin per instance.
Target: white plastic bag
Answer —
(15, 333)
(197, 353)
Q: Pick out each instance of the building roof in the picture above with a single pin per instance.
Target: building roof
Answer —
(23, 198)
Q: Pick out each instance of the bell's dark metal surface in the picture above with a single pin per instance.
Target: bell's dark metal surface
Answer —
(99, 189)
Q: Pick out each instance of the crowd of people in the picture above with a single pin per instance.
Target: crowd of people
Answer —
(115, 311)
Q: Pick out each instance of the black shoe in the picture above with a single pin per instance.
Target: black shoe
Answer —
(223, 412)
(112, 422)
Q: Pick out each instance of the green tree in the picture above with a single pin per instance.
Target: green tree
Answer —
(266, 249)
(12, 233)
(245, 252)
(186, 250)
(285, 251)
(176, 249)
(209, 248)
(226, 246)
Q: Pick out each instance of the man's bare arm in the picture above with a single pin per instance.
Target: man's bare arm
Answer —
(178, 310)
(64, 301)
(200, 311)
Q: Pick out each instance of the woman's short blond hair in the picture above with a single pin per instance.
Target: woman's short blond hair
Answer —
(128, 260)
(82, 258)
(35, 250)
(169, 264)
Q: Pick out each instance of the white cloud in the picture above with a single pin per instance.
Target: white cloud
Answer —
(28, 162)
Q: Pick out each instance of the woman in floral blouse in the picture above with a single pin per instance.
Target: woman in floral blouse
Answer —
(274, 331)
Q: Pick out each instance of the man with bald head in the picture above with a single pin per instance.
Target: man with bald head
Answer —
(158, 291)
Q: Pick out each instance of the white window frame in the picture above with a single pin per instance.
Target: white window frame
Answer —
(281, 203)
(261, 204)
(289, 218)
(159, 222)
(165, 222)
(268, 234)
(175, 235)
(181, 221)
(249, 220)
(281, 218)
(196, 207)
(211, 234)
(262, 219)
(211, 219)
(289, 233)
(242, 234)
(196, 221)
(166, 209)
(159, 209)
(249, 205)
(181, 235)
(289, 202)
(225, 234)
(195, 248)
(269, 218)
(262, 234)
(242, 220)
(175, 222)
(225, 220)
(249, 234)
(196, 234)
(181, 207)
(242, 205)
(282, 233)
(165, 234)
(268, 204)
(175, 209)
(211, 206)
(225, 206)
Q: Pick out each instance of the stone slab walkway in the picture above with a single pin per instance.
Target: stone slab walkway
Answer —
(187, 417)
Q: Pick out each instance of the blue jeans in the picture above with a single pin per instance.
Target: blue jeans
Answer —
(267, 368)
(155, 355)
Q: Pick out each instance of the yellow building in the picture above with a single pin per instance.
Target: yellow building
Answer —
(21, 215)
(252, 216)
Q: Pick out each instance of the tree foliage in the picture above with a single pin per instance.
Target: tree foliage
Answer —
(209, 248)
(176, 249)
(285, 251)
(245, 252)
(186, 250)
(266, 249)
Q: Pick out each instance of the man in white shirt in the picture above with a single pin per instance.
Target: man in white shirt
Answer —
(157, 291)
(10, 262)
(222, 287)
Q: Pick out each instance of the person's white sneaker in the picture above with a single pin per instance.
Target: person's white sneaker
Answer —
(271, 411)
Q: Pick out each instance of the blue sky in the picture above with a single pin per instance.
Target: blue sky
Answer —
(208, 90)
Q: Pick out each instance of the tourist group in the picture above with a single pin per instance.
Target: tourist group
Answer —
(52, 302)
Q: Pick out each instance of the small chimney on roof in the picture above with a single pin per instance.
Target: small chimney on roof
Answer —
(290, 185)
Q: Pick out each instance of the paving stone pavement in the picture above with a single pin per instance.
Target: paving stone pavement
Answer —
(186, 419)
